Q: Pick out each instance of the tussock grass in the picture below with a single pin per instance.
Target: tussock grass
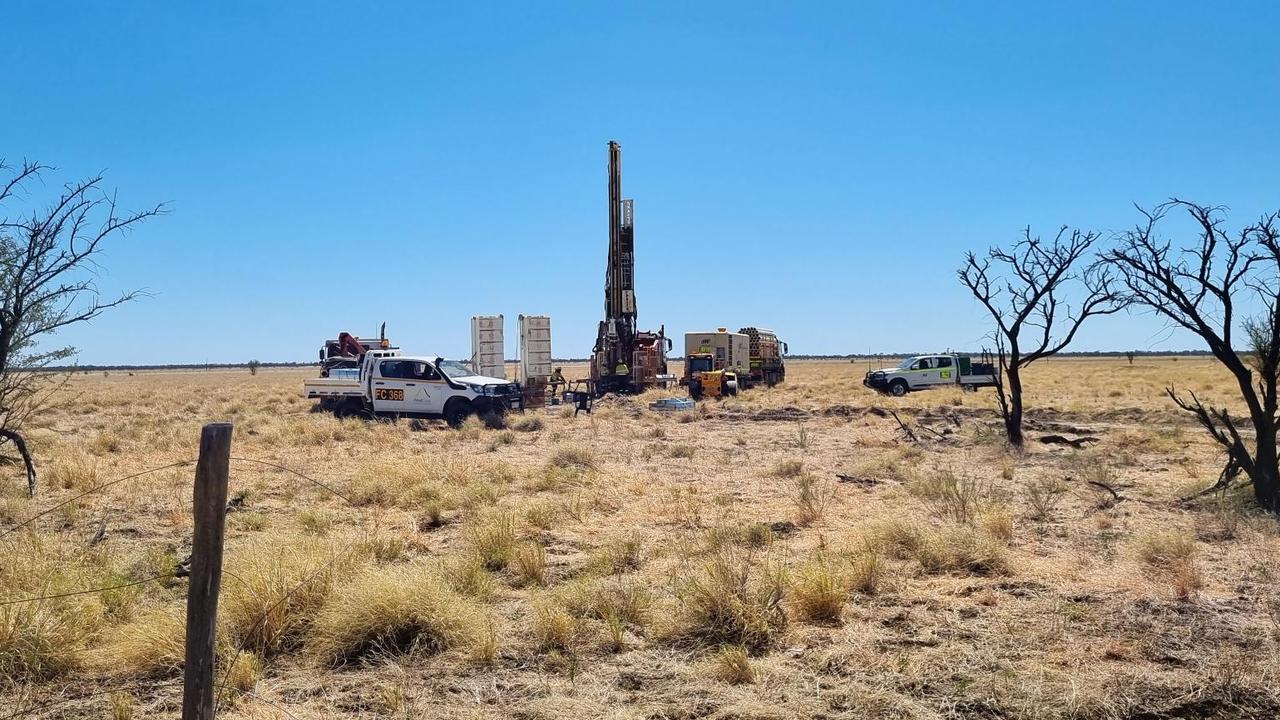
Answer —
(153, 645)
(1166, 549)
(529, 564)
(278, 590)
(790, 468)
(732, 664)
(817, 593)
(964, 550)
(811, 496)
(72, 472)
(553, 628)
(394, 609)
(493, 539)
(948, 496)
(527, 423)
(735, 599)
(618, 555)
(1044, 495)
(866, 570)
(572, 457)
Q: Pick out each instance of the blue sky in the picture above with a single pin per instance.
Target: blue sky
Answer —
(820, 169)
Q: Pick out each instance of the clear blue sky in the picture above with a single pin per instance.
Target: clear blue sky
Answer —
(820, 169)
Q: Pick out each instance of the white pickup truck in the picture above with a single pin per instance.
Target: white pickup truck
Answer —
(930, 371)
(391, 384)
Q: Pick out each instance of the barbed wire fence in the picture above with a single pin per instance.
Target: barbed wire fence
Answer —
(201, 694)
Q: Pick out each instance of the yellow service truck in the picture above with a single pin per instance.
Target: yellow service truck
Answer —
(715, 362)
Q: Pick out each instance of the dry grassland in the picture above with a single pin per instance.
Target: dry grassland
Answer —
(628, 564)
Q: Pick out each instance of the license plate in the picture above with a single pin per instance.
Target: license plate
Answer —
(388, 394)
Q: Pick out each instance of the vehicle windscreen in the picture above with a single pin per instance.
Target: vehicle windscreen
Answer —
(453, 368)
(906, 364)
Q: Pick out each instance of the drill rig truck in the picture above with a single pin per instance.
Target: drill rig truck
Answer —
(624, 360)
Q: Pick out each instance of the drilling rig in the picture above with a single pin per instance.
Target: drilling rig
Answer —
(625, 360)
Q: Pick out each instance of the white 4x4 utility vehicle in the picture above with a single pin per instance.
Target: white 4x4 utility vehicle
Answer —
(390, 384)
(929, 371)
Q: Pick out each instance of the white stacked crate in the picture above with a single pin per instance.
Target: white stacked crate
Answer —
(487, 356)
(535, 347)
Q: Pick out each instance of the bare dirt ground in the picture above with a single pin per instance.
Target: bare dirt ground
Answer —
(786, 553)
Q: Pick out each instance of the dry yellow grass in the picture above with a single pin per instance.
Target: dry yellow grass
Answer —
(627, 564)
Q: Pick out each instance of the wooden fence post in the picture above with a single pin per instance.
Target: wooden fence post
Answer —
(209, 509)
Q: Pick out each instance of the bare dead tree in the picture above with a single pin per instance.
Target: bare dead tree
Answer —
(1214, 287)
(48, 267)
(1027, 290)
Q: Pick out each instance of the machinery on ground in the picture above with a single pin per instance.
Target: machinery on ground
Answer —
(624, 360)
(383, 382)
(922, 372)
(715, 363)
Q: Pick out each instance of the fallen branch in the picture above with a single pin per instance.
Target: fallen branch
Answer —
(904, 428)
(1225, 478)
(1098, 484)
(863, 481)
(1077, 443)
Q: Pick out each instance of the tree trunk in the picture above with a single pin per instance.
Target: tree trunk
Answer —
(13, 437)
(1013, 415)
(1266, 470)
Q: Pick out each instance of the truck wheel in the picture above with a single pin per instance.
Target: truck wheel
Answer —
(456, 412)
(898, 388)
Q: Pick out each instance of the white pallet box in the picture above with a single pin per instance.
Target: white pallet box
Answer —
(487, 354)
(535, 347)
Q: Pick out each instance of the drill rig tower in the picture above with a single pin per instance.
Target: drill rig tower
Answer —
(625, 359)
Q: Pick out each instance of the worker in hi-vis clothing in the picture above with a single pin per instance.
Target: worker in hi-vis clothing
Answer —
(622, 370)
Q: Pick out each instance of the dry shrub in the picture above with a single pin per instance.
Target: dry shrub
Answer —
(817, 593)
(948, 496)
(397, 608)
(733, 600)
(1044, 495)
(811, 496)
(962, 549)
(529, 563)
(278, 591)
(493, 539)
(732, 664)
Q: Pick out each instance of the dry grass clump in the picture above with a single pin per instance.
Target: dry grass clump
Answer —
(817, 593)
(1044, 495)
(468, 576)
(493, 539)
(72, 472)
(554, 628)
(899, 539)
(897, 465)
(618, 555)
(998, 522)
(42, 640)
(811, 495)
(399, 608)
(573, 457)
(277, 592)
(732, 664)
(152, 645)
(1165, 549)
(866, 570)
(734, 600)
(790, 468)
(962, 549)
(529, 564)
(527, 423)
(948, 496)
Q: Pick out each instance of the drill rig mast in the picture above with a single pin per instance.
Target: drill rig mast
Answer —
(625, 359)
